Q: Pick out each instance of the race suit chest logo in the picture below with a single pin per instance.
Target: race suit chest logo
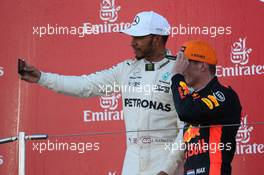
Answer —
(134, 79)
(243, 138)
(239, 56)
(162, 88)
(164, 85)
(109, 104)
(165, 78)
(183, 89)
(210, 102)
(219, 96)
(142, 103)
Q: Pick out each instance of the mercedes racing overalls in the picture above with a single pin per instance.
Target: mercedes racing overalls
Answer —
(147, 105)
(210, 146)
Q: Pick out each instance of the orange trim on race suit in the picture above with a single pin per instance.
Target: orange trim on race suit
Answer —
(215, 157)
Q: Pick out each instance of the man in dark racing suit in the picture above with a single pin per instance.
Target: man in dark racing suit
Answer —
(209, 145)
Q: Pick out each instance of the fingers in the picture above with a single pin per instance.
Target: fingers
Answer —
(29, 68)
(180, 55)
(181, 59)
(29, 73)
(29, 78)
(23, 78)
(181, 64)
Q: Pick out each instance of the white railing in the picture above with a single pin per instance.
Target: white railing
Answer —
(22, 147)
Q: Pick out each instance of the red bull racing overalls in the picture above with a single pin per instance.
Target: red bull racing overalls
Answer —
(212, 117)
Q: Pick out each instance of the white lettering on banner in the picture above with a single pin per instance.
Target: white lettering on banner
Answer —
(212, 31)
(109, 104)
(243, 137)
(80, 147)
(240, 57)
(1, 159)
(109, 11)
(89, 28)
(1, 71)
(243, 134)
(112, 173)
(239, 52)
(108, 14)
(55, 29)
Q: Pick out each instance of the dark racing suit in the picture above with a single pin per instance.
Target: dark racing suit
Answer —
(209, 150)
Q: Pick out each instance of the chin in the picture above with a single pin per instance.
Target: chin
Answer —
(139, 57)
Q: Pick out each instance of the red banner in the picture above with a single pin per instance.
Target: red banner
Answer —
(49, 35)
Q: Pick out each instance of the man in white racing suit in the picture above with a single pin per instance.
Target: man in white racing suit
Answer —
(144, 83)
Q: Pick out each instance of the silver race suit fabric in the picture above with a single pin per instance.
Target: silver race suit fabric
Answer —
(147, 105)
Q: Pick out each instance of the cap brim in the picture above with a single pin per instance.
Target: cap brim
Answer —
(134, 31)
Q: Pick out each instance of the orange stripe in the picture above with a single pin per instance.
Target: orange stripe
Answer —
(215, 154)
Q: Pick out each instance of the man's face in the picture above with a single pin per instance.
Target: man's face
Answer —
(143, 46)
(192, 73)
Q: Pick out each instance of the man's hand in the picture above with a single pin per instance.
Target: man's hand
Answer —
(162, 173)
(29, 73)
(181, 64)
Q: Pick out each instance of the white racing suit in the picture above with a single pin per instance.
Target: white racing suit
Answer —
(147, 105)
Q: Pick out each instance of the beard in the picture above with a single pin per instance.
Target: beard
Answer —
(144, 53)
(139, 58)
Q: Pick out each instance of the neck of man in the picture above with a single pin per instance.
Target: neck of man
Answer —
(157, 55)
(202, 83)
